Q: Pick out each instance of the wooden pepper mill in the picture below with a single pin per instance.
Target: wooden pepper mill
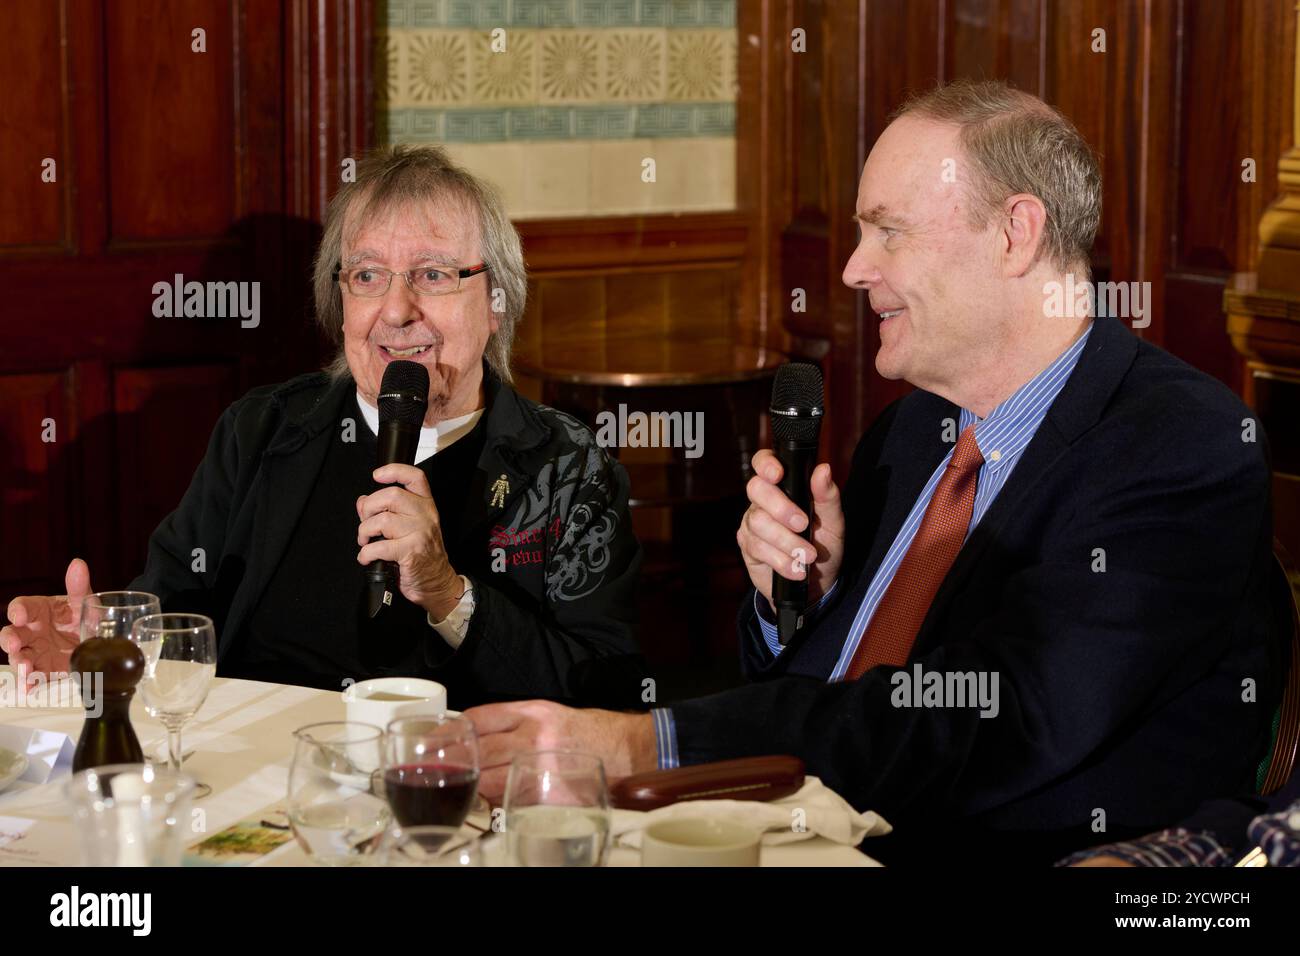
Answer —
(108, 738)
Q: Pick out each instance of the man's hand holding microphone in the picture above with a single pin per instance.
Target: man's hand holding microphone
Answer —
(791, 562)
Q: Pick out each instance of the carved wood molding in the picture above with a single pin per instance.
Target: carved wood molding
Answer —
(1279, 227)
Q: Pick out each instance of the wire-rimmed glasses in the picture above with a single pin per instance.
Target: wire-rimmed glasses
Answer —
(372, 281)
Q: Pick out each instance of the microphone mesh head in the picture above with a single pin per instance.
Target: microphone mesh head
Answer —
(797, 402)
(410, 380)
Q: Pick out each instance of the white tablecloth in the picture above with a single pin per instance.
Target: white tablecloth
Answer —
(242, 742)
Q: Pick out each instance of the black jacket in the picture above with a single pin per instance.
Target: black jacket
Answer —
(557, 625)
(1121, 691)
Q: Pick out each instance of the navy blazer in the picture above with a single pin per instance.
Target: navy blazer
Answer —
(1126, 695)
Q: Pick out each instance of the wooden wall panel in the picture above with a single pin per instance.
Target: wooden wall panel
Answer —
(33, 119)
(172, 141)
(213, 165)
(1209, 185)
(37, 499)
(162, 420)
(995, 38)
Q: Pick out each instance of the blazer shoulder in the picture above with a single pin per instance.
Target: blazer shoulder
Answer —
(1166, 409)
(1168, 393)
(255, 418)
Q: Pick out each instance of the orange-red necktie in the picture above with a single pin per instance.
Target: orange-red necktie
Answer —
(892, 629)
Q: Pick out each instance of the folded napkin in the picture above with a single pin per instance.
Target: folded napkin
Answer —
(815, 810)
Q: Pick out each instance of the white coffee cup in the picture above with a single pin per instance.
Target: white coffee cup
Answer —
(383, 699)
(699, 842)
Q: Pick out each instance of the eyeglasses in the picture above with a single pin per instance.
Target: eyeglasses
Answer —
(371, 281)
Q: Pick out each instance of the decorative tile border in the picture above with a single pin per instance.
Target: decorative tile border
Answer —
(460, 68)
(653, 121)
(563, 118)
(486, 14)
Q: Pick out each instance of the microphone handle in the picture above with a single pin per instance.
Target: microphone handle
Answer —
(798, 459)
(397, 444)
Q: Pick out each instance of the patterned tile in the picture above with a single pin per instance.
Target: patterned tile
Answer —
(696, 65)
(570, 66)
(648, 121)
(542, 13)
(506, 76)
(540, 123)
(437, 68)
(477, 13)
(413, 13)
(388, 79)
(634, 64)
(538, 14)
(714, 119)
(477, 126)
(604, 122)
(607, 13)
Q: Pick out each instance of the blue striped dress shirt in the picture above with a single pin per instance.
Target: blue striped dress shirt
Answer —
(1002, 437)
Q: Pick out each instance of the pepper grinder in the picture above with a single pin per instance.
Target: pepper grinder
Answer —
(109, 737)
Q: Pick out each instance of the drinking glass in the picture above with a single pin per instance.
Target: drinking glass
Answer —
(130, 814)
(113, 613)
(180, 660)
(557, 809)
(428, 846)
(333, 811)
(431, 769)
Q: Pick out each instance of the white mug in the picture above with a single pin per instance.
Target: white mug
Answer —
(699, 841)
(398, 697)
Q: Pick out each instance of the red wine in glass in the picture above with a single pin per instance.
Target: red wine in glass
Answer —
(430, 794)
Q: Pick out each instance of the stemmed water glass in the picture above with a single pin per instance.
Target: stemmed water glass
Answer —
(114, 613)
(180, 654)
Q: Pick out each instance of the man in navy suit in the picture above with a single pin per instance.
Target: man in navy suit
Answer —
(1040, 612)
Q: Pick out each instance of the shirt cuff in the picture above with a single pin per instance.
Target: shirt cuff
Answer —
(1174, 847)
(665, 738)
(455, 626)
(768, 626)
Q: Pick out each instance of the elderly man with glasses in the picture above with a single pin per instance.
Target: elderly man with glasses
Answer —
(511, 530)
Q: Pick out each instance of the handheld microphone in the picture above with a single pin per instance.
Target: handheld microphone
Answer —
(796, 424)
(403, 398)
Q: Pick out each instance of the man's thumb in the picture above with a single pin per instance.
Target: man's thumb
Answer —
(77, 581)
(823, 489)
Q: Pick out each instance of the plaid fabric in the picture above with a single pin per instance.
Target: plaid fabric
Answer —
(1172, 847)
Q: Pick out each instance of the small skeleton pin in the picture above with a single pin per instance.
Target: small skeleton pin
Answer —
(500, 488)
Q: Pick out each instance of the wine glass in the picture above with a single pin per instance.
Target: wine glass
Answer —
(335, 815)
(113, 613)
(431, 769)
(180, 660)
(557, 809)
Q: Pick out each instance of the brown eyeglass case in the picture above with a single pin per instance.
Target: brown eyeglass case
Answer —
(749, 778)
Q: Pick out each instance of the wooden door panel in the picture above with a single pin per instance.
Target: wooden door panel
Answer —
(164, 417)
(172, 157)
(37, 498)
(33, 120)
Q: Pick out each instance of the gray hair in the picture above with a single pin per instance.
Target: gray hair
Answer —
(1016, 143)
(395, 176)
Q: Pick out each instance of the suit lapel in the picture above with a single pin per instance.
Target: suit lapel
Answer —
(882, 499)
(1100, 370)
